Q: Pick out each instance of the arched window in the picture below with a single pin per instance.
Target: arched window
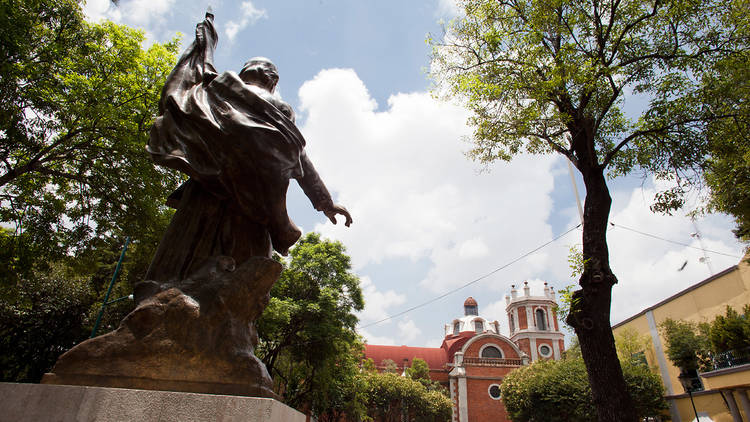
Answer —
(478, 326)
(491, 352)
(512, 324)
(541, 320)
(456, 328)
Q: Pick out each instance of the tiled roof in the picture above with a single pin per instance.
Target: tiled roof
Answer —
(435, 357)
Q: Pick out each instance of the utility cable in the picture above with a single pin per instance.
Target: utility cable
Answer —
(471, 282)
(672, 241)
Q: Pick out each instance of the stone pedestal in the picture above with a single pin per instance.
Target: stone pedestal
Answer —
(37, 402)
(196, 335)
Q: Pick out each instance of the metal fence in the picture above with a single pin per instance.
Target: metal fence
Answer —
(731, 358)
(492, 362)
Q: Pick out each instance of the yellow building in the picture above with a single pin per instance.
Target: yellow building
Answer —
(724, 397)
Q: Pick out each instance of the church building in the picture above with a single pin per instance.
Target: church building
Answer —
(474, 357)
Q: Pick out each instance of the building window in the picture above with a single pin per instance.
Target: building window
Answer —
(541, 320)
(478, 326)
(494, 392)
(512, 324)
(456, 328)
(491, 352)
(470, 310)
(545, 351)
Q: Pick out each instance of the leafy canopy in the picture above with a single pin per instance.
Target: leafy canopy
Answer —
(78, 101)
(545, 76)
(307, 336)
(390, 397)
(727, 88)
(559, 391)
(685, 342)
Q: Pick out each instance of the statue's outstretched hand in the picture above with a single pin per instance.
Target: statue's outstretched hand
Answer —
(338, 209)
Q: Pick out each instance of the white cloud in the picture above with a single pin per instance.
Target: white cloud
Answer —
(138, 13)
(448, 8)
(495, 311)
(401, 173)
(377, 303)
(96, 10)
(375, 339)
(150, 16)
(408, 331)
(412, 193)
(249, 14)
(647, 268)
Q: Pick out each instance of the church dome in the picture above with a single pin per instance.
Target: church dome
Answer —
(470, 302)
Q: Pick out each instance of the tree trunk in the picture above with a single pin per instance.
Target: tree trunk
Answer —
(590, 308)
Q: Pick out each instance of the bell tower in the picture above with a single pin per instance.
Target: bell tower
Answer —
(532, 322)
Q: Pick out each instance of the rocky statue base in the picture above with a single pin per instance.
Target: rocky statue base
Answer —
(196, 335)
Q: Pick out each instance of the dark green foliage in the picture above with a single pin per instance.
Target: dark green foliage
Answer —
(558, 391)
(703, 346)
(46, 315)
(75, 180)
(730, 331)
(307, 337)
(308, 343)
(684, 343)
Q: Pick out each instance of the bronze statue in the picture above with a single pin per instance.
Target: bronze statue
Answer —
(238, 143)
(194, 326)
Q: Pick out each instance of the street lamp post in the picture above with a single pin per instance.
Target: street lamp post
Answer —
(687, 383)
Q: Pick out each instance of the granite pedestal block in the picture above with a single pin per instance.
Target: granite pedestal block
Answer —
(42, 403)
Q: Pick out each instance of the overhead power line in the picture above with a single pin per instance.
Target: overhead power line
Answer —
(472, 281)
(672, 241)
(423, 304)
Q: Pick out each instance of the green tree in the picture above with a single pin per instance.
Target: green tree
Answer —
(631, 347)
(47, 315)
(559, 391)
(78, 101)
(685, 343)
(727, 88)
(419, 370)
(307, 337)
(393, 398)
(546, 77)
(730, 331)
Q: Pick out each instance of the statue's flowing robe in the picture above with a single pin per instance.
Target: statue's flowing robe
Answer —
(235, 146)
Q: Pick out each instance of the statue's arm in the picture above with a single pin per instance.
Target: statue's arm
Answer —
(318, 194)
(206, 37)
(195, 66)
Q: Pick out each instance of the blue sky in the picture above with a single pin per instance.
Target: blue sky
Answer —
(426, 219)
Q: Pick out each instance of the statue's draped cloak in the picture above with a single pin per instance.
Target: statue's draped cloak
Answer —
(233, 143)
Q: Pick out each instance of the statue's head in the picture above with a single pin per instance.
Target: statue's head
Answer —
(260, 71)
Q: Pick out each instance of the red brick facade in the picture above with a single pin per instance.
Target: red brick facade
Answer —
(474, 356)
